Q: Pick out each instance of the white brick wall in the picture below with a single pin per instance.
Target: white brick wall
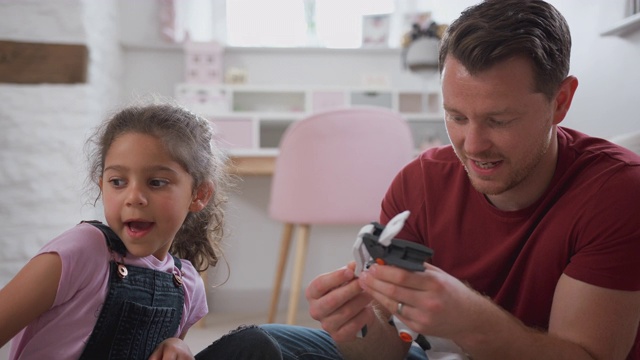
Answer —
(43, 127)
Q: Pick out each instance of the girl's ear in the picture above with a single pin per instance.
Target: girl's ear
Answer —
(201, 196)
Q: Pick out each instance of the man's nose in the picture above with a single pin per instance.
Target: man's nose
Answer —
(476, 139)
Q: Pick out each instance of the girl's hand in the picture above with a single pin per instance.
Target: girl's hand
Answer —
(172, 349)
(339, 304)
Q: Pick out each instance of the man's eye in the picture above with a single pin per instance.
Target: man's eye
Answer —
(499, 123)
(456, 118)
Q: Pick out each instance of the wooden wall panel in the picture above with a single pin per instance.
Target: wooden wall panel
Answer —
(37, 63)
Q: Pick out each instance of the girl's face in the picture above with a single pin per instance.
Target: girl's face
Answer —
(146, 194)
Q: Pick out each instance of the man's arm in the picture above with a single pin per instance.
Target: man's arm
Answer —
(587, 322)
(604, 321)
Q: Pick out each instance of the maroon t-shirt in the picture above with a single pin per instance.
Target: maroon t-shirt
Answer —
(586, 225)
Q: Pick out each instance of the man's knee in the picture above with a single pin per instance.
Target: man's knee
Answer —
(245, 342)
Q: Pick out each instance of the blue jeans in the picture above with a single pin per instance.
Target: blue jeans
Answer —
(302, 343)
(244, 343)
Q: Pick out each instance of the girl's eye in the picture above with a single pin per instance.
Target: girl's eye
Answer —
(158, 182)
(117, 182)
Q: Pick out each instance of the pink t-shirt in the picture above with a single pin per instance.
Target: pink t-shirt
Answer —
(62, 331)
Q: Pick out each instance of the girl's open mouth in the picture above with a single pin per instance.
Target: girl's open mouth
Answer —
(138, 228)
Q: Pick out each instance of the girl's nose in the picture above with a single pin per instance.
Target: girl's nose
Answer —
(136, 196)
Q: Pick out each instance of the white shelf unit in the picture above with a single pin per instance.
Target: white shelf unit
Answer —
(624, 27)
(251, 120)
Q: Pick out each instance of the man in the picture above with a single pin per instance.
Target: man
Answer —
(534, 226)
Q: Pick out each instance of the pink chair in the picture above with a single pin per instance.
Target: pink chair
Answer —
(333, 167)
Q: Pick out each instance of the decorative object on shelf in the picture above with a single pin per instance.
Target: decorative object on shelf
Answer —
(183, 20)
(235, 75)
(420, 44)
(414, 23)
(169, 29)
(310, 20)
(376, 80)
(375, 31)
(203, 62)
(203, 70)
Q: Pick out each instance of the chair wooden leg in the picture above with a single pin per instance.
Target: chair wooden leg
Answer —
(282, 262)
(296, 282)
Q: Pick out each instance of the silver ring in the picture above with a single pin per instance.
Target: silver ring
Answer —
(399, 310)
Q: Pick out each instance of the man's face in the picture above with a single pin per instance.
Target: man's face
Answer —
(501, 129)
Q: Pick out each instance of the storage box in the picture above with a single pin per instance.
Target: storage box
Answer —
(203, 99)
(235, 132)
(327, 100)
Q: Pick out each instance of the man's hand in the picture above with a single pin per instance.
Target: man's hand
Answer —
(172, 349)
(339, 304)
(434, 302)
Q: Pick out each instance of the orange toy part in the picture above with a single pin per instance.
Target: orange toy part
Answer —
(406, 337)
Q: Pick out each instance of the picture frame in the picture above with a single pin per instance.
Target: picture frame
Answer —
(375, 31)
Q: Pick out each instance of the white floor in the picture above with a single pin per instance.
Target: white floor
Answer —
(216, 325)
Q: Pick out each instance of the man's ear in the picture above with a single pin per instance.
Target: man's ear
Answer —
(563, 98)
(201, 196)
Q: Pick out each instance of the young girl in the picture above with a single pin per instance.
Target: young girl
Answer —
(129, 290)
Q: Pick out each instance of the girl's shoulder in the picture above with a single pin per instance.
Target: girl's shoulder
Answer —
(83, 239)
(85, 261)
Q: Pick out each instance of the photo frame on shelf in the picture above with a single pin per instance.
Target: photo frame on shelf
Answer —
(375, 31)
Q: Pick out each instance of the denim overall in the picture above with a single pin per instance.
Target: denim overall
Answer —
(143, 307)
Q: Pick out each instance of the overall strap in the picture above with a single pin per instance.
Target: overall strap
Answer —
(176, 262)
(113, 240)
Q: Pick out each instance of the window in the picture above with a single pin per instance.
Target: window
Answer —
(293, 23)
(276, 23)
(339, 22)
(266, 23)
